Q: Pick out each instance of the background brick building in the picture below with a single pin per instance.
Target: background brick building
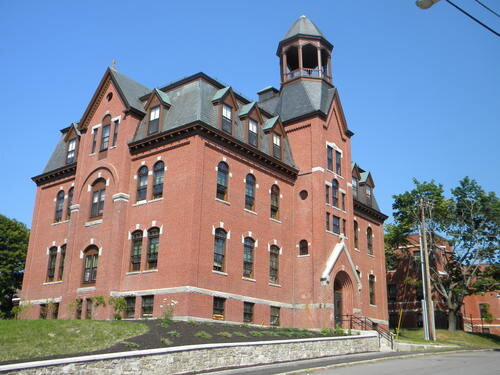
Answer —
(238, 210)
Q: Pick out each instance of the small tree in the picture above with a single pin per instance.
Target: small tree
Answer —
(470, 221)
(13, 246)
(119, 306)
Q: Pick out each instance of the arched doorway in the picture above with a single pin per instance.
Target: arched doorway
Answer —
(342, 297)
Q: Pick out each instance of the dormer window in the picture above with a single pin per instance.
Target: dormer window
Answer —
(154, 120)
(277, 146)
(252, 132)
(70, 155)
(227, 115)
(368, 189)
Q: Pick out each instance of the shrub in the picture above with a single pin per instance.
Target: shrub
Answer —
(256, 333)
(129, 344)
(203, 335)
(166, 341)
(168, 312)
(119, 305)
(239, 334)
(174, 334)
(225, 334)
(339, 331)
(327, 331)
(194, 322)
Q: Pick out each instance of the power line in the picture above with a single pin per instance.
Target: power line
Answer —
(473, 18)
(486, 7)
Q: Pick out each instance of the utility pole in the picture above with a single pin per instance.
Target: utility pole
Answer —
(429, 310)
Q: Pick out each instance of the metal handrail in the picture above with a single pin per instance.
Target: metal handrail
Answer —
(363, 323)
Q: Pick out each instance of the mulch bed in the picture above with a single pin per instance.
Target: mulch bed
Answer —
(188, 333)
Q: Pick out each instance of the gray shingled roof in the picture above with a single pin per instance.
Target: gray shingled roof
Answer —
(194, 102)
(300, 98)
(303, 26)
(130, 89)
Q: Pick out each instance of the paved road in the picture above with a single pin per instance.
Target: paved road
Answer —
(471, 363)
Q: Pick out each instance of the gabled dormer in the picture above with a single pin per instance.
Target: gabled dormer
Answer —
(156, 108)
(227, 106)
(252, 121)
(71, 138)
(356, 176)
(274, 128)
(366, 184)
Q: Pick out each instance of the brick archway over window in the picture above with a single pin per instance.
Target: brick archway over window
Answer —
(343, 297)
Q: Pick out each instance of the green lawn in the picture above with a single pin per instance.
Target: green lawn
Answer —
(38, 338)
(444, 337)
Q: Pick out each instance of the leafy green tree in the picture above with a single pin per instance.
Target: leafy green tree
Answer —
(13, 246)
(470, 222)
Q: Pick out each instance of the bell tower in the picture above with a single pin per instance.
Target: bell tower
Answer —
(304, 52)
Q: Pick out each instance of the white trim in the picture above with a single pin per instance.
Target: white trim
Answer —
(317, 169)
(92, 223)
(85, 289)
(41, 301)
(120, 197)
(332, 260)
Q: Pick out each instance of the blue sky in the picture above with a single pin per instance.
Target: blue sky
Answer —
(421, 89)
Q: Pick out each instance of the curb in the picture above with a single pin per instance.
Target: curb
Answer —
(374, 360)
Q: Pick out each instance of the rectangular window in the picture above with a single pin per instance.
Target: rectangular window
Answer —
(70, 155)
(54, 313)
(88, 308)
(104, 138)
(153, 244)
(90, 272)
(51, 268)
(227, 116)
(252, 132)
(327, 219)
(135, 254)
(97, 203)
(343, 201)
(338, 163)
(275, 316)
(355, 187)
(78, 308)
(371, 289)
(218, 308)
(61, 262)
(368, 190)
(327, 193)
(154, 120)
(147, 305)
(274, 253)
(115, 132)
(248, 312)
(94, 139)
(329, 158)
(336, 224)
(130, 309)
(343, 227)
(277, 146)
(43, 311)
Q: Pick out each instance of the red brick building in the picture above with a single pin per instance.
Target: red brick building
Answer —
(404, 293)
(238, 210)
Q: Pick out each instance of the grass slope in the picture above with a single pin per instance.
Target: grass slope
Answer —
(39, 338)
(444, 337)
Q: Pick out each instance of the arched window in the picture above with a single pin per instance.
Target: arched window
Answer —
(135, 253)
(250, 192)
(153, 245)
(219, 249)
(142, 183)
(222, 180)
(248, 247)
(70, 202)
(369, 240)
(62, 258)
(356, 240)
(335, 193)
(274, 252)
(59, 206)
(91, 256)
(158, 172)
(51, 266)
(275, 202)
(303, 247)
(98, 195)
(371, 288)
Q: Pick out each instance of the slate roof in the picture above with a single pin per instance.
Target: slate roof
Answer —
(300, 98)
(303, 26)
(362, 197)
(130, 89)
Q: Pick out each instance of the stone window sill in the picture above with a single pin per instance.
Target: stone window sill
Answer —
(275, 220)
(248, 279)
(303, 256)
(250, 211)
(92, 223)
(52, 282)
(330, 232)
(275, 285)
(60, 222)
(140, 272)
(223, 201)
(220, 273)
